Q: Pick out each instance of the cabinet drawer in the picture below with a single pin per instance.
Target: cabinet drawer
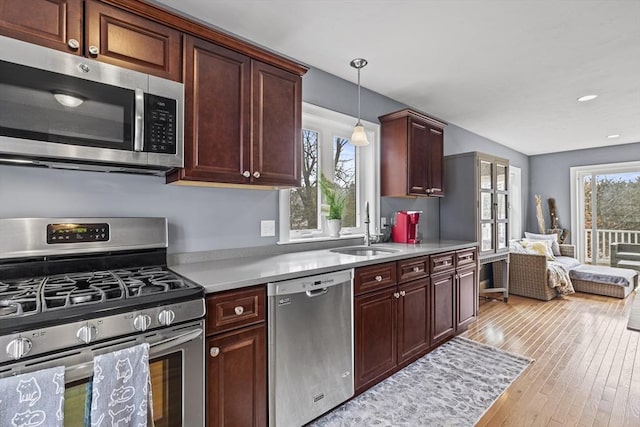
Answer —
(229, 310)
(414, 268)
(442, 262)
(465, 257)
(374, 277)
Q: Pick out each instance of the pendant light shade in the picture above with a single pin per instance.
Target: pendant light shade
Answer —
(359, 136)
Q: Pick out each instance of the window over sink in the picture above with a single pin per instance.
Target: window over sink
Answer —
(326, 150)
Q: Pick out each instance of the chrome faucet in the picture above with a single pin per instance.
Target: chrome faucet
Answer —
(367, 235)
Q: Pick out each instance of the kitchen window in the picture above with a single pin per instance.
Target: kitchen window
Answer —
(326, 150)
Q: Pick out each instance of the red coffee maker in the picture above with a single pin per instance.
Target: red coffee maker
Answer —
(406, 228)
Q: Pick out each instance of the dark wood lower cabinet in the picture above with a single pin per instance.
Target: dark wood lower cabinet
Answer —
(466, 295)
(413, 321)
(236, 378)
(442, 307)
(375, 337)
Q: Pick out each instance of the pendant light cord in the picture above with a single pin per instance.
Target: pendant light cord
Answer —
(359, 97)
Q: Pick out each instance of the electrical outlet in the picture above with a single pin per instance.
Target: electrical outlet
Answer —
(383, 221)
(267, 228)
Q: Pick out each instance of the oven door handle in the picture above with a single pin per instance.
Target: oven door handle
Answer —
(177, 340)
(86, 369)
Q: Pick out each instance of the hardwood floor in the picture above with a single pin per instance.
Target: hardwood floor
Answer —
(587, 364)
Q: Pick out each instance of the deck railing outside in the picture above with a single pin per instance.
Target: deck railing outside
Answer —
(605, 239)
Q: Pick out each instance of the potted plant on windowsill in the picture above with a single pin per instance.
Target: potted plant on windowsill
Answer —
(336, 199)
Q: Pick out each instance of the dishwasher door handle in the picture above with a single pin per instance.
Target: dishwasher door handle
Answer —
(317, 292)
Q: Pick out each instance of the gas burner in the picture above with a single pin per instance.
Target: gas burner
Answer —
(149, 280)
(79, 289)
(19, 297)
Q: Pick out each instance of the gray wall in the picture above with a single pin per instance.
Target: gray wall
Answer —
(550, 177)
(210, 218)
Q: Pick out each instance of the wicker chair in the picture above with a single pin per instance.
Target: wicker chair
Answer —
(528, 274)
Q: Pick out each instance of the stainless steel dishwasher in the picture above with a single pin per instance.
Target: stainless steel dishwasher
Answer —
(310, 347)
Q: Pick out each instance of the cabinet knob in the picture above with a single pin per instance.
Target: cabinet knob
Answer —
(428, 191)
(402, 293)
(378, 278)
(433, 190)
(416, 269)
(73, 44)
(246, 174)
(93, 50)
(256, 174)
(239, 310)
(396, 295)
(214, 351)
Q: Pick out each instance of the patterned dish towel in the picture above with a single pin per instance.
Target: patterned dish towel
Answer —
(33, 399)
(121, 391)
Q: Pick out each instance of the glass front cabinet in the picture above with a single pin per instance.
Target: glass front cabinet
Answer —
(476, 204)
(493, 194)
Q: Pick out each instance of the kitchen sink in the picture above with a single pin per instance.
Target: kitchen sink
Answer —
(363, 250)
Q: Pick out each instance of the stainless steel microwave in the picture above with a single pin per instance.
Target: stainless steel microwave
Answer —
(62, 110)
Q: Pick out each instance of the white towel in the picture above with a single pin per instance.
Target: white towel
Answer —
(33, 399)
(121, 393)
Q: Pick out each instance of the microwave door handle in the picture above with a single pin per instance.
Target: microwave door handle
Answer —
(138, 141)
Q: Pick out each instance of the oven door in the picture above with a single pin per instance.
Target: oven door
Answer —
(176, 362)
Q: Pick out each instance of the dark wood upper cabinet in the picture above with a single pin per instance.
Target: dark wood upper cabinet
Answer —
(121, 38)
(216, 130)
(411, 154)
(243, 119)
(277, 120)
(101, 32)
(56, 24)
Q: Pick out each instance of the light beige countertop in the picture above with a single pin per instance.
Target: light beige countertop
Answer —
(231, 273)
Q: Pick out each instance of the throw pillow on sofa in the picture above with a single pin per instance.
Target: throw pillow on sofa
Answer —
(539, 247)
(553, 238)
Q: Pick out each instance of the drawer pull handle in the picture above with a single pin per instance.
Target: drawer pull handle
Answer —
(416, 269)
(378, 278)
(403, 293)
(239, 310)
(396, 295)
(446, 263)
(214, 351)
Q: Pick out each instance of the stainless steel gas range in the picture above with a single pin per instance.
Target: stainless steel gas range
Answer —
(74, 288)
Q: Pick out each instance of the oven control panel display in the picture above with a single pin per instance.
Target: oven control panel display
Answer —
(77, 233)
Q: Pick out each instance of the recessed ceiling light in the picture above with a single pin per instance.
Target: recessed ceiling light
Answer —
(587, 98)
(615, 135)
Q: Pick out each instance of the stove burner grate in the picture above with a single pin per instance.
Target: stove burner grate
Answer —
(19, 297)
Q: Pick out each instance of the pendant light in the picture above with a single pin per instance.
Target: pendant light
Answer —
(359, 136)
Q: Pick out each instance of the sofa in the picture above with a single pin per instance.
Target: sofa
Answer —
(529, 276)
(625, 255)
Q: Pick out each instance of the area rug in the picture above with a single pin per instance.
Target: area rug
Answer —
(454, 385)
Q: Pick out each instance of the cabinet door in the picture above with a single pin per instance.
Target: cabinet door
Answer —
(436, 159)
(51, 23)
(375, 337)
(418, 163)
(413, 319)
(442, 307)
(466, 294)
(236, 378)
(277, 121)
(131, 41)
(216, 130)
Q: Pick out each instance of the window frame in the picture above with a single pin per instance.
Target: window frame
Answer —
(330, 124)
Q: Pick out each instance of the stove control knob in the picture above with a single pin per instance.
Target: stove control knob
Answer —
(166, 317)
(18, 348)
(142, 322)
(86, 334)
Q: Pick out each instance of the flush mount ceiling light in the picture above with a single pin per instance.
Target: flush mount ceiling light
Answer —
(359, 136)
(67, 99)
(614, 136)
(587, 98)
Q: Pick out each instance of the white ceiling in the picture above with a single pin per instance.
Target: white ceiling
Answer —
(509, 70)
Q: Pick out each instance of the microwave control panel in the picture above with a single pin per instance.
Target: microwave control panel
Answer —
(160, 124)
